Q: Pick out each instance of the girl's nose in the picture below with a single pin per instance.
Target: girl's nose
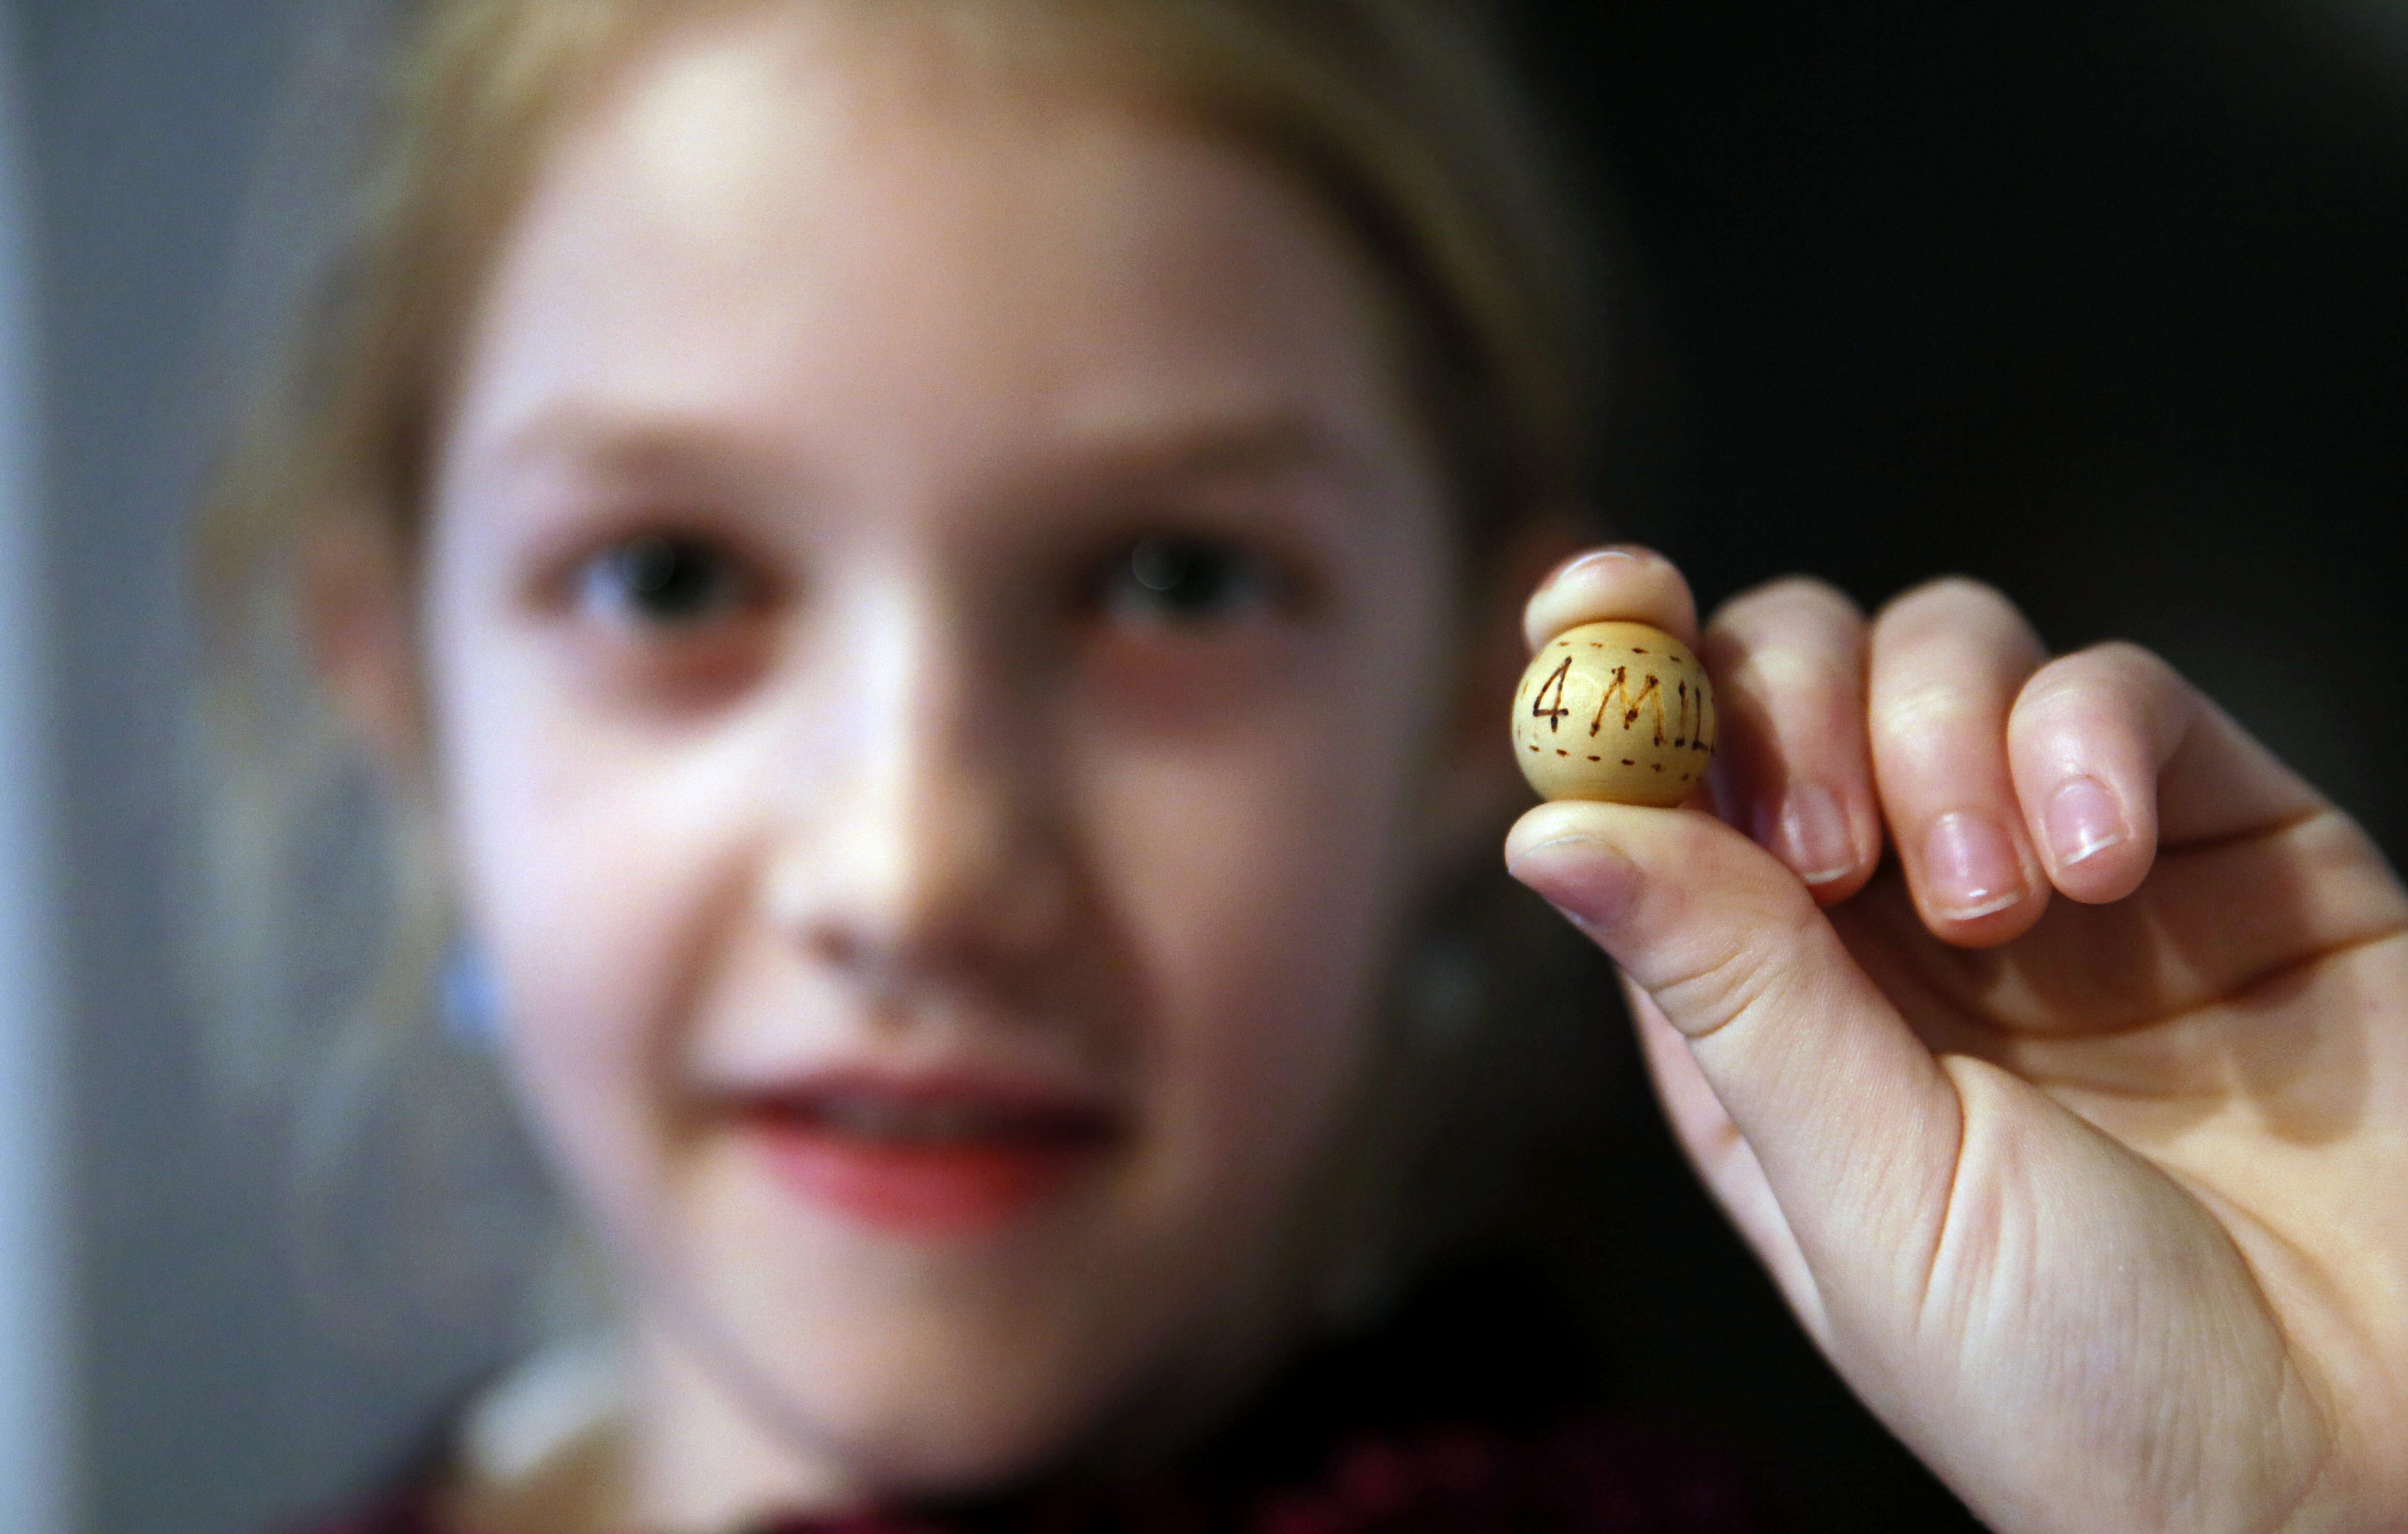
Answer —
(932, 853)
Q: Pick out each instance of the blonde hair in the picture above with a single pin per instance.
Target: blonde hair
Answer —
(1400, 115)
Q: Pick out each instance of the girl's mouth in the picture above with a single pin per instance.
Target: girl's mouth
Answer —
(927, 1156)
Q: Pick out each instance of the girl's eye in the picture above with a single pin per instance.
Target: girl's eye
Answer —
(661, 579)
(1187, 580)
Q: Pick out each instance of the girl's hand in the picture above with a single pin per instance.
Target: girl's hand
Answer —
(2077, 1134)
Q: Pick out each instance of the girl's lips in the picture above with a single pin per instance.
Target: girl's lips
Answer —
(925, 1156)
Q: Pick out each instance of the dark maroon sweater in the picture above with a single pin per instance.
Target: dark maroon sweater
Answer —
(1472, 1412)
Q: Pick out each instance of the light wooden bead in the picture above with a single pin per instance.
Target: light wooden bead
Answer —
(1614, 710)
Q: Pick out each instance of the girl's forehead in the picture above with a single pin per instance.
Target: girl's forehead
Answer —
(739, 227)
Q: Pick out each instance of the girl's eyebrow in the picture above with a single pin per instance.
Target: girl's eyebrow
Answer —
(1266, 441)
(623, 441)
(616, 440)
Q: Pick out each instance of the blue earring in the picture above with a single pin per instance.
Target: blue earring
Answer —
(471, 1001)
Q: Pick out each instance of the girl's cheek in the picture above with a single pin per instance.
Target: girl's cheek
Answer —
(576, 1029)
(1250, 878)
(1187, 689)
(584, 861)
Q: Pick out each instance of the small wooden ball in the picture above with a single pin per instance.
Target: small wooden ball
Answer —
(1614, 710)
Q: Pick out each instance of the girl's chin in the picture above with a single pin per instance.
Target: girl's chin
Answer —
(854, 1399)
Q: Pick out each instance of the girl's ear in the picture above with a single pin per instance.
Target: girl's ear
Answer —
(357, 623)
(1480, 786)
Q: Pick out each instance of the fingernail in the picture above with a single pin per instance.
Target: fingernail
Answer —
(2083, 820)
(1970, 868)
(1591, 883)
(1810, 833)
(1594, 557)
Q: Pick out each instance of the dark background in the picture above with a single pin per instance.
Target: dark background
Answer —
(2101, 302)
(2104, 302)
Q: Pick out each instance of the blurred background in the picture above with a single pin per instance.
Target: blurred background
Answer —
(2105, 302)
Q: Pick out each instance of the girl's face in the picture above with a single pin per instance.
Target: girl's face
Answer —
(936, 620)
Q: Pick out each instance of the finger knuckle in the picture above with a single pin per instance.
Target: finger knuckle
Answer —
(2113, 679)
(1710, 999)
(1925, 709)
(1957, 622)
(1734, 978)
(1791, 597)
(2137, 664)
(1792, 672)
(1940, 593)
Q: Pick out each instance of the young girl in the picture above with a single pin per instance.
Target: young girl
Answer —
(940, 578)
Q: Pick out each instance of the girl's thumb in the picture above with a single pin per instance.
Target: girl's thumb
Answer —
(1853, 1123)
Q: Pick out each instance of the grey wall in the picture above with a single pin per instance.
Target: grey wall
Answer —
(36, 1465)
(209, 1404)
